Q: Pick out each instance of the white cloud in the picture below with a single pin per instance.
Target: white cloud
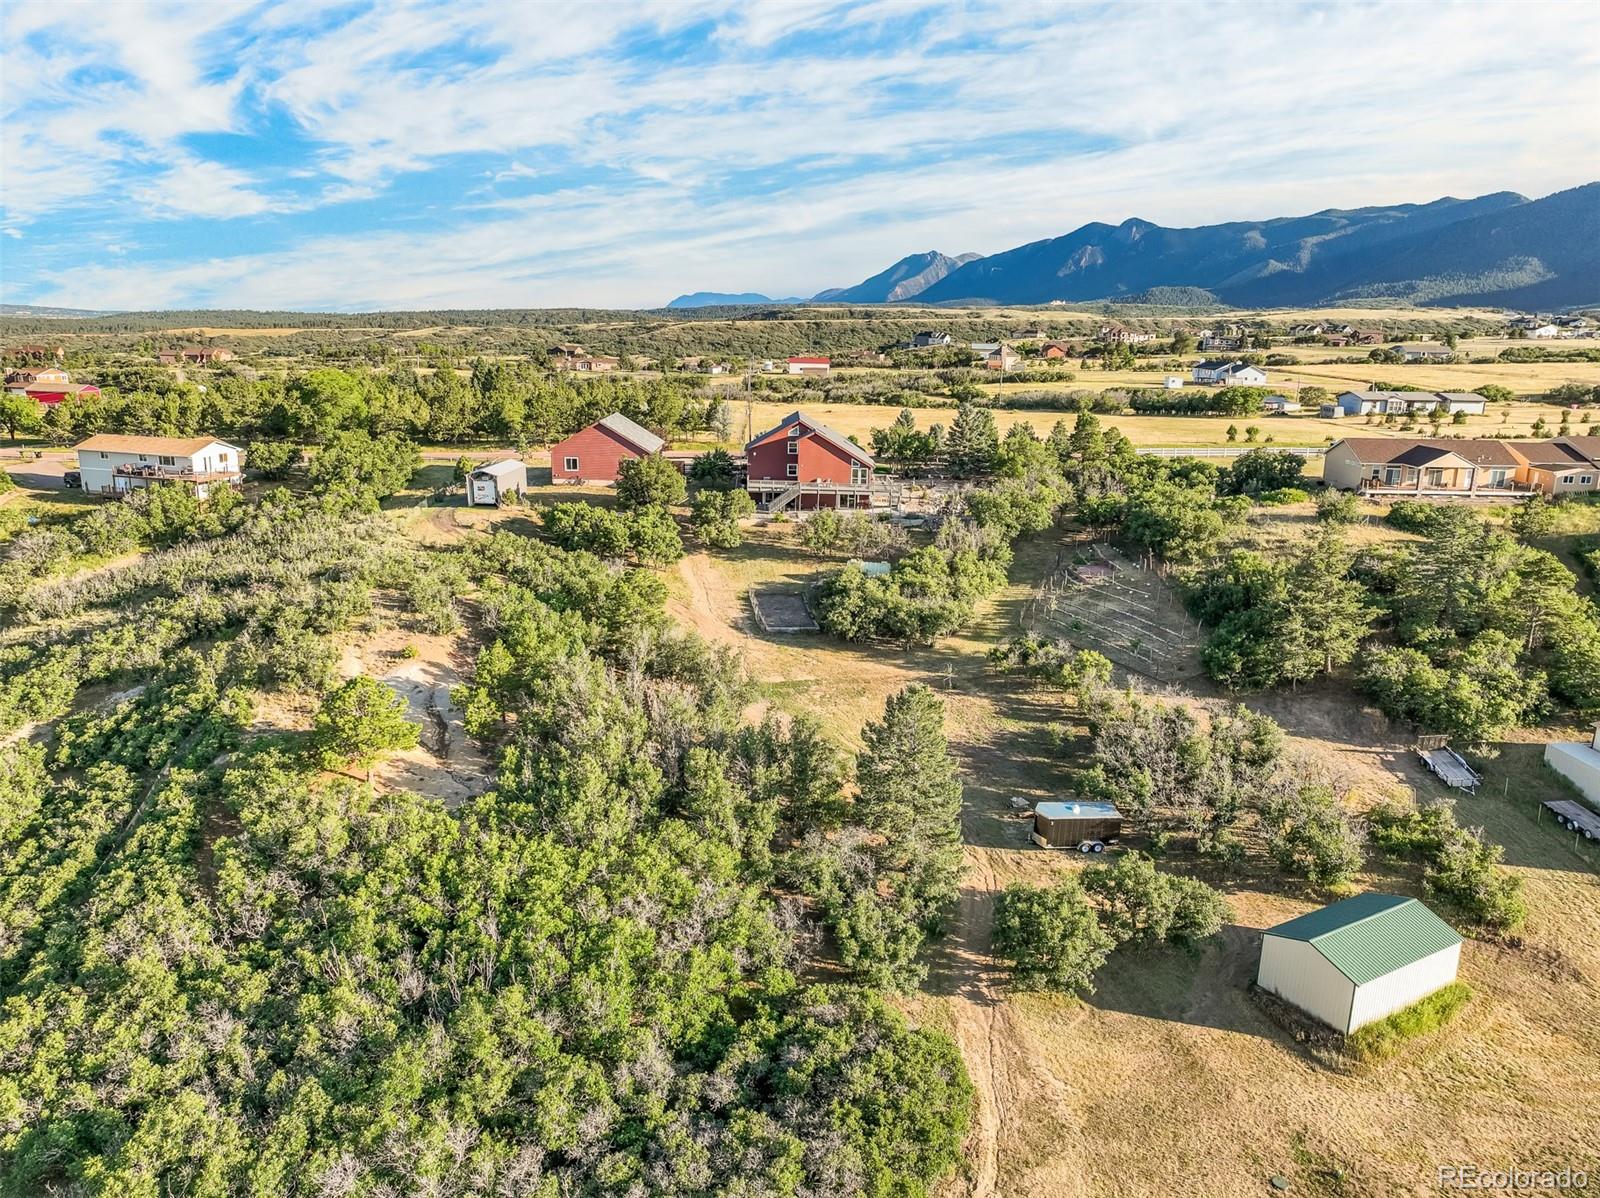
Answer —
(1027, 121)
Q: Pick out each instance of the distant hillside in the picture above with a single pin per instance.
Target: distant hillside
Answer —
(1176, 297)
(907, 278)
(1499, 248)
(35, 312)
(725, 299)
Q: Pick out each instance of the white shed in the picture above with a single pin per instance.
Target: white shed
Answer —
(1578, 763)
(490, 485)
(1353, 962)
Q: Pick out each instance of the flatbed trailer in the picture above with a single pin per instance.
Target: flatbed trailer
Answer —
(1451, 768)
(1574, 817)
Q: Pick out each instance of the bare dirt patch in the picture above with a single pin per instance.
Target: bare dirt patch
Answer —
(446, 764)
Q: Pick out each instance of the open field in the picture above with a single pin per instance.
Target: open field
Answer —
(1070, 1097)
(859, 420)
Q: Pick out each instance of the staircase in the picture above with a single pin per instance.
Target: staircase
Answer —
(778, 502)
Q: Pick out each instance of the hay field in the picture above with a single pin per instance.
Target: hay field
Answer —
(1168, 1080)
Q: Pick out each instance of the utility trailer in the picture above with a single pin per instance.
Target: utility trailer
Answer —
(1574, 817)
(1447, 765)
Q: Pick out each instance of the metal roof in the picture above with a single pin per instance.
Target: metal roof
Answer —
(503, 467)
(1371, 935)
(635, 434)
(182, 447)
(1069, 810)
(837, 438)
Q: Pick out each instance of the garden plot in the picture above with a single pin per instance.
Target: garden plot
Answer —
(1098, 599)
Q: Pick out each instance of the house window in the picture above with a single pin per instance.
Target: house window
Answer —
(1391, 475)
(1435, 476)
(794, 448)
(142, 458)
(858, 475)
(1586, 480)
(570, 465)
(167, 459)
(1497, 477)
(794, 470)
(104, 454)
(794, 430)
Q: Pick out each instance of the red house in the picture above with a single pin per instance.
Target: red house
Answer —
(593, 454)
(806, 464)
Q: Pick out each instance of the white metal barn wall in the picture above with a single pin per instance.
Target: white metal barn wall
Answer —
(1578, 764)
(1295, 971)
(1385, 995)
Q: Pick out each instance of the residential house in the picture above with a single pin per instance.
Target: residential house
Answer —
(1400, 403)
(1055, 350)
(1118, 334)
(1367, 337)
(1279, 405)
(1565, 466)
(984, 348)
(21, 380)
(1423, 352)
(926, 339)
(1572, 322)
(1002, 358)
(1225, 372)
(47, 384)
(38, 353)
(1030, 335)
(205, 355)
(802, 463)
(113, 464)
(1404, 467)
(1545, 331)
(810, 365)
(594, 454)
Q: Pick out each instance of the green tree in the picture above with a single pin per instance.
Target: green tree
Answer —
(650, 481)
(713, 470)
(1310, 835)
(358, 722)
(716, 517)
(910, 793)
(20, 414)
(973, 446)
(363, 464)
(1142, 905)
(1050, 937)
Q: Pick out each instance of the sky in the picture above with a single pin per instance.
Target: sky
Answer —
(318, 155)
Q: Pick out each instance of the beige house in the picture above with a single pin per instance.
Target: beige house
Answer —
(1406, 467)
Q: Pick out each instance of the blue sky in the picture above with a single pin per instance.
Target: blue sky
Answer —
(316, 155)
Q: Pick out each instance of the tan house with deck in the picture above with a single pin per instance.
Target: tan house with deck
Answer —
(1406, 467)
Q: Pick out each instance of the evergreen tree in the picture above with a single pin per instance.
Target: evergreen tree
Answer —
(974, 442)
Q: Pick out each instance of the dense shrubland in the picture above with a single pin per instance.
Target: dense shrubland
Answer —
(229, 966)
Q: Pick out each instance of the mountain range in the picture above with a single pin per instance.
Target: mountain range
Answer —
(1496, 249)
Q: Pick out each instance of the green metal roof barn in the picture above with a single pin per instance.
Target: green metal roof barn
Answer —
(1355, 961)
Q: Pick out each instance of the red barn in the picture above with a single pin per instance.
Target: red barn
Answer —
(806, 464)
(51, 394)
(593, 454)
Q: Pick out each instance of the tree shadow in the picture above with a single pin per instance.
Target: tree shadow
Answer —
(1204, 987)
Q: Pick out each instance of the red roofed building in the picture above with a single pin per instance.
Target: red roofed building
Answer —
(594, 454)
(805, 464)
(810, 365)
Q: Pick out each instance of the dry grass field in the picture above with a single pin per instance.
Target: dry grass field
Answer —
(1168, 1079)
(858, 420)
